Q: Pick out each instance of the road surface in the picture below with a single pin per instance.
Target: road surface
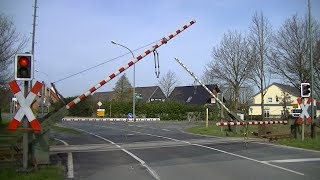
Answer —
(162, 150)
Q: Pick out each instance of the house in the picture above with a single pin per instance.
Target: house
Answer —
(278, 97)
(196, 95)
(49, 97)
(144, 94)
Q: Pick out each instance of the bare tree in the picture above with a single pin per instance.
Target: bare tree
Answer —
(316, 67)
(231, 64)
(168, 82)
(285, 101)
(260, 41)
(290, 55)
(123, 89)
(245, 98)
(11, 42)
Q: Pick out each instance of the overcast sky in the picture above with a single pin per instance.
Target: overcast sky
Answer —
(72, 35)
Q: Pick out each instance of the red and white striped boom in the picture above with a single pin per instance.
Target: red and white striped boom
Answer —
(236, 123)
(129, 64)
(230, 113)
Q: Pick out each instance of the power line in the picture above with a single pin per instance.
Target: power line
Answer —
(103, 63)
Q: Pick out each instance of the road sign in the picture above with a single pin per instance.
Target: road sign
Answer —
(130, 115)
(25, 109)
(99, 104)
(304, 108)
(101, 112)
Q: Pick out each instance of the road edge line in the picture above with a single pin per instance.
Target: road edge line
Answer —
(143, 163)
(70, 160)
(290, 147)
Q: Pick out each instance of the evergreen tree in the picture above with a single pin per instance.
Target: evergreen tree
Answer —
(123, 89)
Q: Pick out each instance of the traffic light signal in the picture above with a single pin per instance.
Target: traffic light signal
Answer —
(23, 67)
(305, 90)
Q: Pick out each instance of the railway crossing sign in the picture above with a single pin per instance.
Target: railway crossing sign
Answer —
(25, 109)
(304, 108)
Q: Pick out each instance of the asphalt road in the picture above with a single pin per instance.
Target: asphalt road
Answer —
(162, 150)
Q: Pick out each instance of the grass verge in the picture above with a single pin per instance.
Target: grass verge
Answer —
(65, 130)
(48, 173)
(212, 131)
(7, 137)
(308, 143)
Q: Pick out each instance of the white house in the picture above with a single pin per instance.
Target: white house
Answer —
(278, 97)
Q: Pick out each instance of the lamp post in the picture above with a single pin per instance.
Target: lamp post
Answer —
(134, 80)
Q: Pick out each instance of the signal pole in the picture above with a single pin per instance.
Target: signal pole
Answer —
(27, 135)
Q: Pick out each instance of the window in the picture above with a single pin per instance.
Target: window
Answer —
(289, 98)
(269, 99)
(266, 112)
(296, 112)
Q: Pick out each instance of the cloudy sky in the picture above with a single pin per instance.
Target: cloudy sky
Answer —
(72, 35)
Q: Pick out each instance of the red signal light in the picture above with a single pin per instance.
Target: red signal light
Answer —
(23, 68)
(23, 61)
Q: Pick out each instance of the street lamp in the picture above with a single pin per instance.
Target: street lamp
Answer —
(43, 73)
(134, 80)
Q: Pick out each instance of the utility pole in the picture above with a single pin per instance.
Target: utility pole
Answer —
(33, 31)
(30, 135)
(313, 127)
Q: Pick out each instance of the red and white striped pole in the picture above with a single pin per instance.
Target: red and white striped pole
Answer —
(241, 123)
(123, 68)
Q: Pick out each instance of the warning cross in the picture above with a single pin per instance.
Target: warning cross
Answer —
(25, 109)
(304, 108)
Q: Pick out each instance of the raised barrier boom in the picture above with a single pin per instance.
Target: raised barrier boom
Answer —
(123, 68)
(230, 113)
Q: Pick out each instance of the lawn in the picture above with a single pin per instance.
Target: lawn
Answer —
(7, 137)
(65, 130)
(308, 143)
(48, 173)
(214, 130)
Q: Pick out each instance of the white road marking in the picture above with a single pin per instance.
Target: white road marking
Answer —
(293, 160)
(219, 150)
(130, 125)
(284, 146)
(70, 160)
(151, 171)
(165, 129)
